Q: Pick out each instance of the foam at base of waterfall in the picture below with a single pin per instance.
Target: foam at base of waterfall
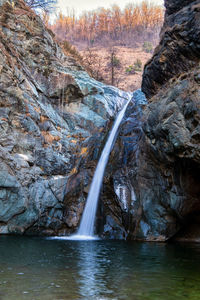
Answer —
(76, 237)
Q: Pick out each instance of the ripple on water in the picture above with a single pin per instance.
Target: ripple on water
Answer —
(49, 269)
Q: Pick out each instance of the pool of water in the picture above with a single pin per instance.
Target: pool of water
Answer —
(39, 268)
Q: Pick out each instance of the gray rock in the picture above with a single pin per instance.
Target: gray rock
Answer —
(42, 196)
(54, 119)
(51, 162)
(57, 185)
(12, 202)
(8, 181)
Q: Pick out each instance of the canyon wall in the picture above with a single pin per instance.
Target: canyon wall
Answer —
(168, 165)
(156, 159)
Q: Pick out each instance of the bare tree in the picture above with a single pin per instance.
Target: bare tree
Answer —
(46, 5)
(134, 24)
(94, 63)
(113, 65)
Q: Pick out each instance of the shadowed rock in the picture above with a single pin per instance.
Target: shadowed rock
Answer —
(179, 48)
(168, 165)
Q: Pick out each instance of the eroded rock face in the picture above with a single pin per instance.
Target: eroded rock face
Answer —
(168, 166)
(169, 161)
(53, 123)
(176, 5)
(155, 164)
(179, 48)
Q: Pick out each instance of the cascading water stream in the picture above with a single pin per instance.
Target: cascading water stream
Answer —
(86, 229)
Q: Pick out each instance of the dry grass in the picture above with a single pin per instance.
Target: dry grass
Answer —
(70, 50)
(37, 109)
(43, 119)
(127, 57)
(84, 151)
(4, 119)
(74, 141)
(7, 51)
(73, 171)
(49, 138)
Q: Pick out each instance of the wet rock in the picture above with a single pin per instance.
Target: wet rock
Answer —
(112, 230)
(119, 203)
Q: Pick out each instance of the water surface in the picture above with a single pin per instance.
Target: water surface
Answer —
(38, 268)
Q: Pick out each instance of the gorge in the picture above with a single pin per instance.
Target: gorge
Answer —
(55, 120)
(57, 126)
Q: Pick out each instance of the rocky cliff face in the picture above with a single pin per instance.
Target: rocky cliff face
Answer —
(168, 165)
(54, 120)
(155, 163)
(179, 47)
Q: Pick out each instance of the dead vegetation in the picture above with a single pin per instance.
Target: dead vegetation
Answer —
(124, 72)
(112, 45)
(49, 138)
(134, 24)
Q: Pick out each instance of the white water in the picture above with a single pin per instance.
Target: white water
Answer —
(75, 237)
(86, 229)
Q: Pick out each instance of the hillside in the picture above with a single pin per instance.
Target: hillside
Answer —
(96, 34)
(136, 23)
(125, 77)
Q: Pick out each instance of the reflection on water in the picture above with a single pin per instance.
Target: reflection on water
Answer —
(36, 268)
(92, 265)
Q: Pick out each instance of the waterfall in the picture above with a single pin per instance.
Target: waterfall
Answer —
(86, 229)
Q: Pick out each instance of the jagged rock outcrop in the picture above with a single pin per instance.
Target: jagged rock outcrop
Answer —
(175, 6)
(166, 180)
(54, 120)
(179, 48)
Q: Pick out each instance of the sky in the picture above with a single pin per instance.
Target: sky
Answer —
(84, 5)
